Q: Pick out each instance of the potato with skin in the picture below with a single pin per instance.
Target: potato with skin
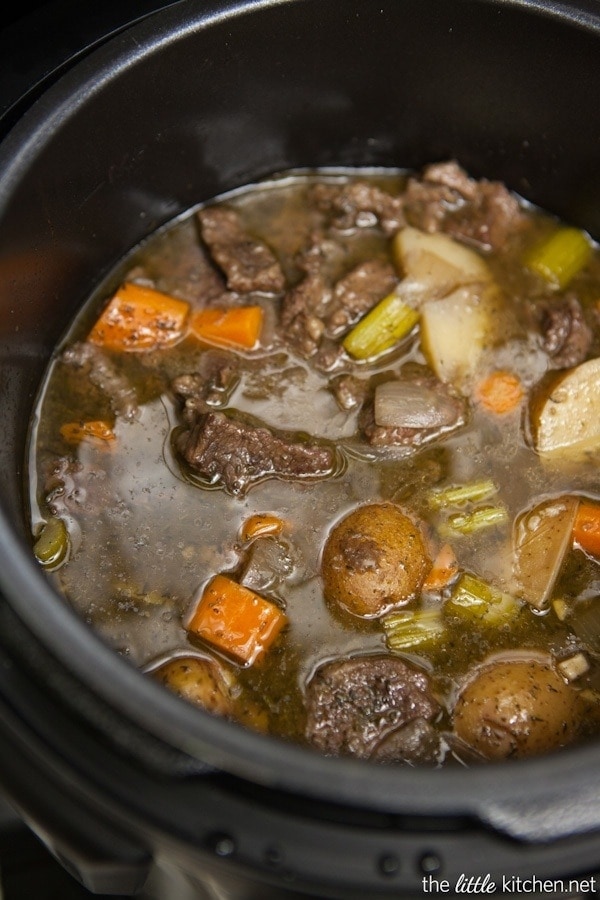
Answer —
(437, 261)
(516, 708)
(565, 420)
(207, 684)
(373, 560)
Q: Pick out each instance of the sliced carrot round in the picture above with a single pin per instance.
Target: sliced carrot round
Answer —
(500, 392)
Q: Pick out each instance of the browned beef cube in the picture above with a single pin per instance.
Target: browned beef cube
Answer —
(352, 704)
(249, 265)
(446, 199)
(236, 453)
(359, 205)
(301, 313)
(565, 335)
(358, 292)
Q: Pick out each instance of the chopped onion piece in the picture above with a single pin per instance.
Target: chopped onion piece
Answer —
(407, 404)
(574, 667)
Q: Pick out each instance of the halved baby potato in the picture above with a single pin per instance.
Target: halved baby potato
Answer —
(565, 417)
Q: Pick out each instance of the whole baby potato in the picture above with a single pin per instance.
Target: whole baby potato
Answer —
(374, 559)
(517, 708)
(209, 685)
(199, 681)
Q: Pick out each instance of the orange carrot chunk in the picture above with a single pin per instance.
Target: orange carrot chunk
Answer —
(236, 621)
(238, 326)
(261, 525)
(586, 528)
(500, 392)
(443, 570)
(140, 318)
(76, 432)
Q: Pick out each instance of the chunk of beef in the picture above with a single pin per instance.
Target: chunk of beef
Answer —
(429, 199)
(565, 335)
(312, 314)
(209, 387)
(210, 288)
(183, 268)
(301, 314)
(329, 356)
(450, 175)
(415, 744)
(445, 413)
(248, 264)
(358, 205)
(358, 292)
(310, 297)
(353, 704)
(323, 256)
(445, 198)
(349, 391)
(235, 453)
(102, 373)
(305, 333)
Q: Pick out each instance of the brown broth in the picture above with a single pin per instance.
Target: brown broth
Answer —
(145, 540)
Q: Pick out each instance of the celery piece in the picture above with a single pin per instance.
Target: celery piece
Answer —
(453, 496)
(474, 598)
(387, 323)
(52, 545)
(560, 257)
(478, 519)
(412, 628)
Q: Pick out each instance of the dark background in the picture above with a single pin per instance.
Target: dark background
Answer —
(17, 12)
(38, 40)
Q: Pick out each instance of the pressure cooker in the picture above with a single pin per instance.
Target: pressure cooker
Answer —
(157, 108)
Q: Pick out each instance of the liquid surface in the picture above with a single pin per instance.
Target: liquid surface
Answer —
(146, 533)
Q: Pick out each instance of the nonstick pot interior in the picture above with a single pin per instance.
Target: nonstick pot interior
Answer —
(195, 100)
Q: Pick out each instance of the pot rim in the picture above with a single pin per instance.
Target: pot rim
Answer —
(488, 792)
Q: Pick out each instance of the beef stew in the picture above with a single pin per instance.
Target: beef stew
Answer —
(321, 456)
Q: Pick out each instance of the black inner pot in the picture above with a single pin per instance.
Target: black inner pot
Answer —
(194, 100)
